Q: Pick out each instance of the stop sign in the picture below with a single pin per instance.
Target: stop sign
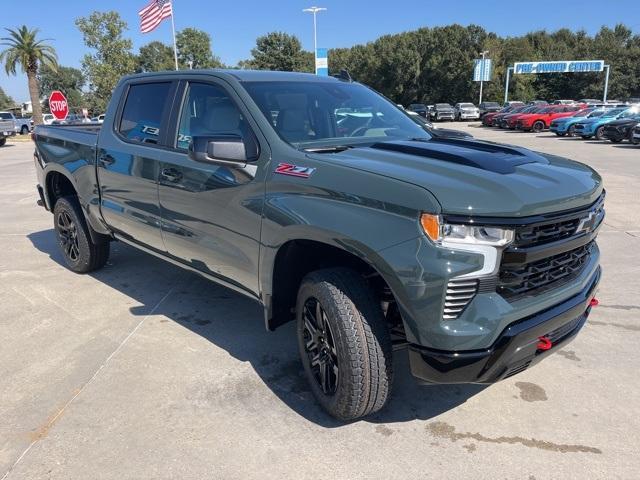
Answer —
(58, 105)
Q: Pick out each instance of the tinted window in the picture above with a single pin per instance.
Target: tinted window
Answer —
(5, 116)
(329, 112)
(142, 113)
(208, 111)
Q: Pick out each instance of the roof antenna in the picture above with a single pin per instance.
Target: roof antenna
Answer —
(343, 75)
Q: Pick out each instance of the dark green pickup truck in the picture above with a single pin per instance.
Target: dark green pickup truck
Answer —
(327, 204)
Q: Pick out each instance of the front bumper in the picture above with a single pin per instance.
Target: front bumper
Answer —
(469, 115)
(7, 133)
(515, 350)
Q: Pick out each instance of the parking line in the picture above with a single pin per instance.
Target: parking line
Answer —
(52, 422)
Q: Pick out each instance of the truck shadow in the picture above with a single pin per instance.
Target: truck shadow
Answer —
(235, 324)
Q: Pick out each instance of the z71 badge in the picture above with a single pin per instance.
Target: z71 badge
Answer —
(294, 170)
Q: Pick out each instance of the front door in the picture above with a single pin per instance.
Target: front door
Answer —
(211, 214)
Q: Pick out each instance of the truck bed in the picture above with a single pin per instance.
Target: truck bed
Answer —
(86, 135)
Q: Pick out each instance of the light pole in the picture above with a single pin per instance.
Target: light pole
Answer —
(482, 74)
(315, 10)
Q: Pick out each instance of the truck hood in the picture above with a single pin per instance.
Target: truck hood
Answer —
(472, 177)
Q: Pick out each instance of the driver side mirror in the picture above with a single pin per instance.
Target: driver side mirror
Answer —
(231, 150)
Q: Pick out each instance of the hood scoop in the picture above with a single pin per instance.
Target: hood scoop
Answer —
(483, 155)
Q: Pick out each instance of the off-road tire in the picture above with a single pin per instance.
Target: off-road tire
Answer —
(80, 253)
(361, 338)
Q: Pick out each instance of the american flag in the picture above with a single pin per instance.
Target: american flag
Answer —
(153, 14)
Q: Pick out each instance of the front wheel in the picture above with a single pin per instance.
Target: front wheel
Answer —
(538, 126)
(80, 253)
(344, 343)
(572, 131)
(600, 133)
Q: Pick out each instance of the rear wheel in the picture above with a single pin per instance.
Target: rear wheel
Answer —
(538, 126)
(344, 343)
(80, 253)
(600, 133)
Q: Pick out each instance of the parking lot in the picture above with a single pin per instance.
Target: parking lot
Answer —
(143, 370)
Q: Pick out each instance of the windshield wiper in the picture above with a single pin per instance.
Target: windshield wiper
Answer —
(328, 149)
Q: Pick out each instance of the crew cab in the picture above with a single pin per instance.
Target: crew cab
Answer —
(442, 111)
(488, 107)
(540, 120)
(475, 259)
(466, 111)
(6, 130)
(19, 125)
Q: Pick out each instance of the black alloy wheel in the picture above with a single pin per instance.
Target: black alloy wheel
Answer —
(320, 346)
(68, 236)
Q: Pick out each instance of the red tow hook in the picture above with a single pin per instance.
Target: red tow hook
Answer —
(594, 302)
(544, 343)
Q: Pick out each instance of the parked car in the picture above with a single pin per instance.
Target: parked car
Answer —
(466, 111)
(563, 102)
(420, 108)
(514, 103)
(488, 107)
(6, 130)
(590, 101)
(20, 125)
(595, 126)
(487, 118)
(538, 102)
(620, 129)
(442, 111)
(437, 131)
(100, 118)
(501, 120)
(566, 126)
(635, 135)
(372, 240)
(540, 120)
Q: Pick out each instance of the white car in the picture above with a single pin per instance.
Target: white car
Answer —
(466, 111)
(48, 119)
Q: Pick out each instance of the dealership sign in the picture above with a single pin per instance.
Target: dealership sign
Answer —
(322, 62)
(568, 66)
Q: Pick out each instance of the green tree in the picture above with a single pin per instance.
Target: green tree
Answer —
(24, 49)
(155, 57)
(279, 51)
(112, 57)
(5, 100)
(194, 49)
(66, 79)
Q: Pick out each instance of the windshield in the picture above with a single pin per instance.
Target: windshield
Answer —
(614, 112)
(331, 113)
(630, 113)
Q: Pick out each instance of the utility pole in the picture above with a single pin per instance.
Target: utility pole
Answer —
(314, 10)
(482, 67)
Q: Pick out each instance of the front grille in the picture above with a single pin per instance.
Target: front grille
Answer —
(459, 293)
(522, 279)
(532, 235)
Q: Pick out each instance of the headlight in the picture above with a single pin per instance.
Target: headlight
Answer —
(465, 234)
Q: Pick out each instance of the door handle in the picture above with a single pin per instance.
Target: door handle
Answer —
(171, 174)
(107, 160)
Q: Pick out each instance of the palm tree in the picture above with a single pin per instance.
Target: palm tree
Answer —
(30, 53)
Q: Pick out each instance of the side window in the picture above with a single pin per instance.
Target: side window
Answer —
(142, 113)
(208, 111)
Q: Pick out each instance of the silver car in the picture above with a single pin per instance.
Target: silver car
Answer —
(466, 111)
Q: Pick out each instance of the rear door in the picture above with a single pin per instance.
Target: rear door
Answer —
(128, 161)
(211, 214)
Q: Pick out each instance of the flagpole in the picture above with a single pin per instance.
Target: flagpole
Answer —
(173, 29)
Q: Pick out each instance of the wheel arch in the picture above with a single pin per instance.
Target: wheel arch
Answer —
(297, 257)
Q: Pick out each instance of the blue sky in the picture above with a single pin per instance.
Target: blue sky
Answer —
(234, 26)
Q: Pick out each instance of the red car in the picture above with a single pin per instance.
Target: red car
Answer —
(488, 117)
(511, 121)
(503, 120)
(537, 122)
